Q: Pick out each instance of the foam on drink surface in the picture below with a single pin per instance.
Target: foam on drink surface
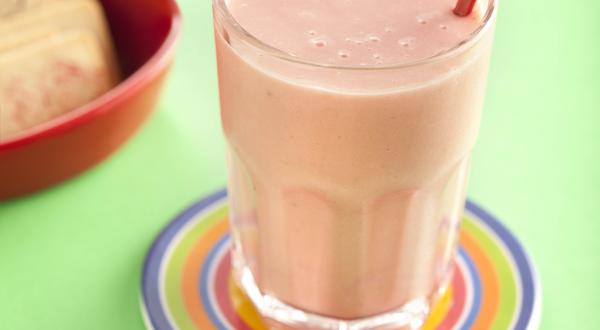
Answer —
(355, 32)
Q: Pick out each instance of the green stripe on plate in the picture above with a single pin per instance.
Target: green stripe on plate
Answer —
(175, 303)
(506, 273)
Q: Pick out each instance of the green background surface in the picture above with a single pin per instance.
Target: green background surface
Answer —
(71, 257)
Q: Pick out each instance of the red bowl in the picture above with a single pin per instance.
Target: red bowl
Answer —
(145, 33)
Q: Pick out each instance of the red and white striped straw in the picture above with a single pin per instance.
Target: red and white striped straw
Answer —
(464, 7)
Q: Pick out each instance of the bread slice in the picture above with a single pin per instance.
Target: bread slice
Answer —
(30, 36)
(62, 15)
(11, 7)
(42, 80)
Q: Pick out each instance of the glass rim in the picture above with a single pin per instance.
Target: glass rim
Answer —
(468, 42)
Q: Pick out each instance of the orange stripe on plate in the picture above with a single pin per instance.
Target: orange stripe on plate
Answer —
(191, 269)
(490, 292)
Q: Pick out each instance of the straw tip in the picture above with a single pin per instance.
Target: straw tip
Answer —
(464, 7)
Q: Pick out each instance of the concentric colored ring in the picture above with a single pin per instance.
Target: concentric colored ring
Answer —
(186, 283)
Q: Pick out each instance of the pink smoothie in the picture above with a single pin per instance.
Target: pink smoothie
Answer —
(347, 185)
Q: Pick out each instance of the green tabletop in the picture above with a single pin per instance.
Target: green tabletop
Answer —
(71, 256)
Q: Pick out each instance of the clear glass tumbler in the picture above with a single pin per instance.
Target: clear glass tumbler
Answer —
(347, 184)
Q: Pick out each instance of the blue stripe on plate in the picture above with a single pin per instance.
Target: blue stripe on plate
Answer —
(476, 283)
(521, 260)
(150, 281)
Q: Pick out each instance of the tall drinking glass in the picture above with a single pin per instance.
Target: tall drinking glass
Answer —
(347, 182)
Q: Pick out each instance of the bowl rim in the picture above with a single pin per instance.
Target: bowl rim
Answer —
(110, 100)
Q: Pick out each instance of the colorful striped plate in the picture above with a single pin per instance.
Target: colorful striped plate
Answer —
(186, 282)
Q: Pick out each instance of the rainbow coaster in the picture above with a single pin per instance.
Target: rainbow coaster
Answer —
(186, 282)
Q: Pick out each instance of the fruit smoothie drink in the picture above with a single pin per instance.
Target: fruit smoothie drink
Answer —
(350, 125)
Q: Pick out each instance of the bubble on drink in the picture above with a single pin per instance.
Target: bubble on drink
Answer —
(343, 54)
(373, 38)
(407, 41)
(319, 42)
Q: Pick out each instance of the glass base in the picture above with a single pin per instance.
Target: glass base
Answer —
(410, 316)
